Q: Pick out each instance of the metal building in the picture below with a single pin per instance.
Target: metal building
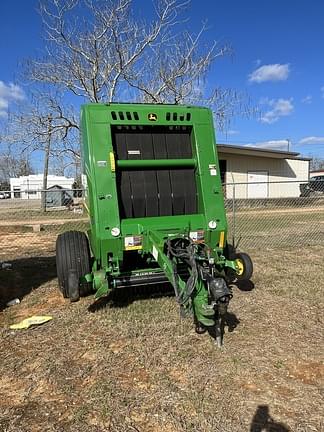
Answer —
(56, 196)
(29, 187)
(260, 172)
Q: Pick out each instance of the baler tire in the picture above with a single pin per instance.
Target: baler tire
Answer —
(73, 285)
(72, 252)
(247, 266)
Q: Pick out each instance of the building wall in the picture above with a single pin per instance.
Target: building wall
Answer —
(30, 186)
(290, 172)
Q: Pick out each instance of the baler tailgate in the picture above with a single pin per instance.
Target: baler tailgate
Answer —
(159, 192)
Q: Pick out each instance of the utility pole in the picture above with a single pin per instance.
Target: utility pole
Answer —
(46, 160)
(288, 143)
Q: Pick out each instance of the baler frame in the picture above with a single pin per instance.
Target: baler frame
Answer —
(135, 216)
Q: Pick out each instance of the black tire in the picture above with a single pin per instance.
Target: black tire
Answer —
(247, 266)
(72, 253)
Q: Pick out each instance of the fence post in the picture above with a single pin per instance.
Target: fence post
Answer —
(234, 214)
(233, 211)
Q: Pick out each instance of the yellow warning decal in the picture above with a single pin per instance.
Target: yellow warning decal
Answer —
(112, 162)
(221, 239)
(128, 248)
(133, 243)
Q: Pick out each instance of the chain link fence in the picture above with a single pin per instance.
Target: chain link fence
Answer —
(260, 216)
(30, 223)
(275, 214)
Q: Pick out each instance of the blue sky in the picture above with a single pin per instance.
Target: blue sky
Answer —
(278, 60)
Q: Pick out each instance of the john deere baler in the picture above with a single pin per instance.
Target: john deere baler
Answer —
(154, 197)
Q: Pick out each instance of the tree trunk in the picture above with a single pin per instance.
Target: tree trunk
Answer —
(46, 160)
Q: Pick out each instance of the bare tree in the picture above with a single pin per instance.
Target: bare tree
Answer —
(316, 163)
(100, 51)
(41, 125)
(13, 164)
(29, 125)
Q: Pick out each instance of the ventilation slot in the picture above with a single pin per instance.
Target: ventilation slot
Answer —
(174, 116)
(120, 115)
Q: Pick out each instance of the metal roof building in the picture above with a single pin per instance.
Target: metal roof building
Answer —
(261, 172)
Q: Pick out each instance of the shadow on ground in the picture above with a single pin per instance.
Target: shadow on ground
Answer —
(263, 422)
(244, 285)
(123, 297)
(25, 275)
(230, 321)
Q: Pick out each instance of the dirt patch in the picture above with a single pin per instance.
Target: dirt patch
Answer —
(179, 376)
(307, 372)
(13, 390)
(14, 245)
(41, 221)
(44, 305)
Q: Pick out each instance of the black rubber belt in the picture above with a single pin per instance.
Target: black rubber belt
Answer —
(150, 180)
(155, 193)
(137, 178)
(177, 176)
(123, 180)
(162, 176)
(189, 176)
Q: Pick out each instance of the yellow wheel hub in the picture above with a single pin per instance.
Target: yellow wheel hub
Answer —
(239, 267)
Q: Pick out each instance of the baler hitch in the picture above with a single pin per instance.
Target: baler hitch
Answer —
(201, 290)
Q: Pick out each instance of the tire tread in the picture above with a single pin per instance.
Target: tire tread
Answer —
(72, 252)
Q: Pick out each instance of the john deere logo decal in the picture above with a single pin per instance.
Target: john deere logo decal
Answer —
(152, 117)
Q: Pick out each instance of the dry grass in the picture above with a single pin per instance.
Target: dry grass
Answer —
(134, 365)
